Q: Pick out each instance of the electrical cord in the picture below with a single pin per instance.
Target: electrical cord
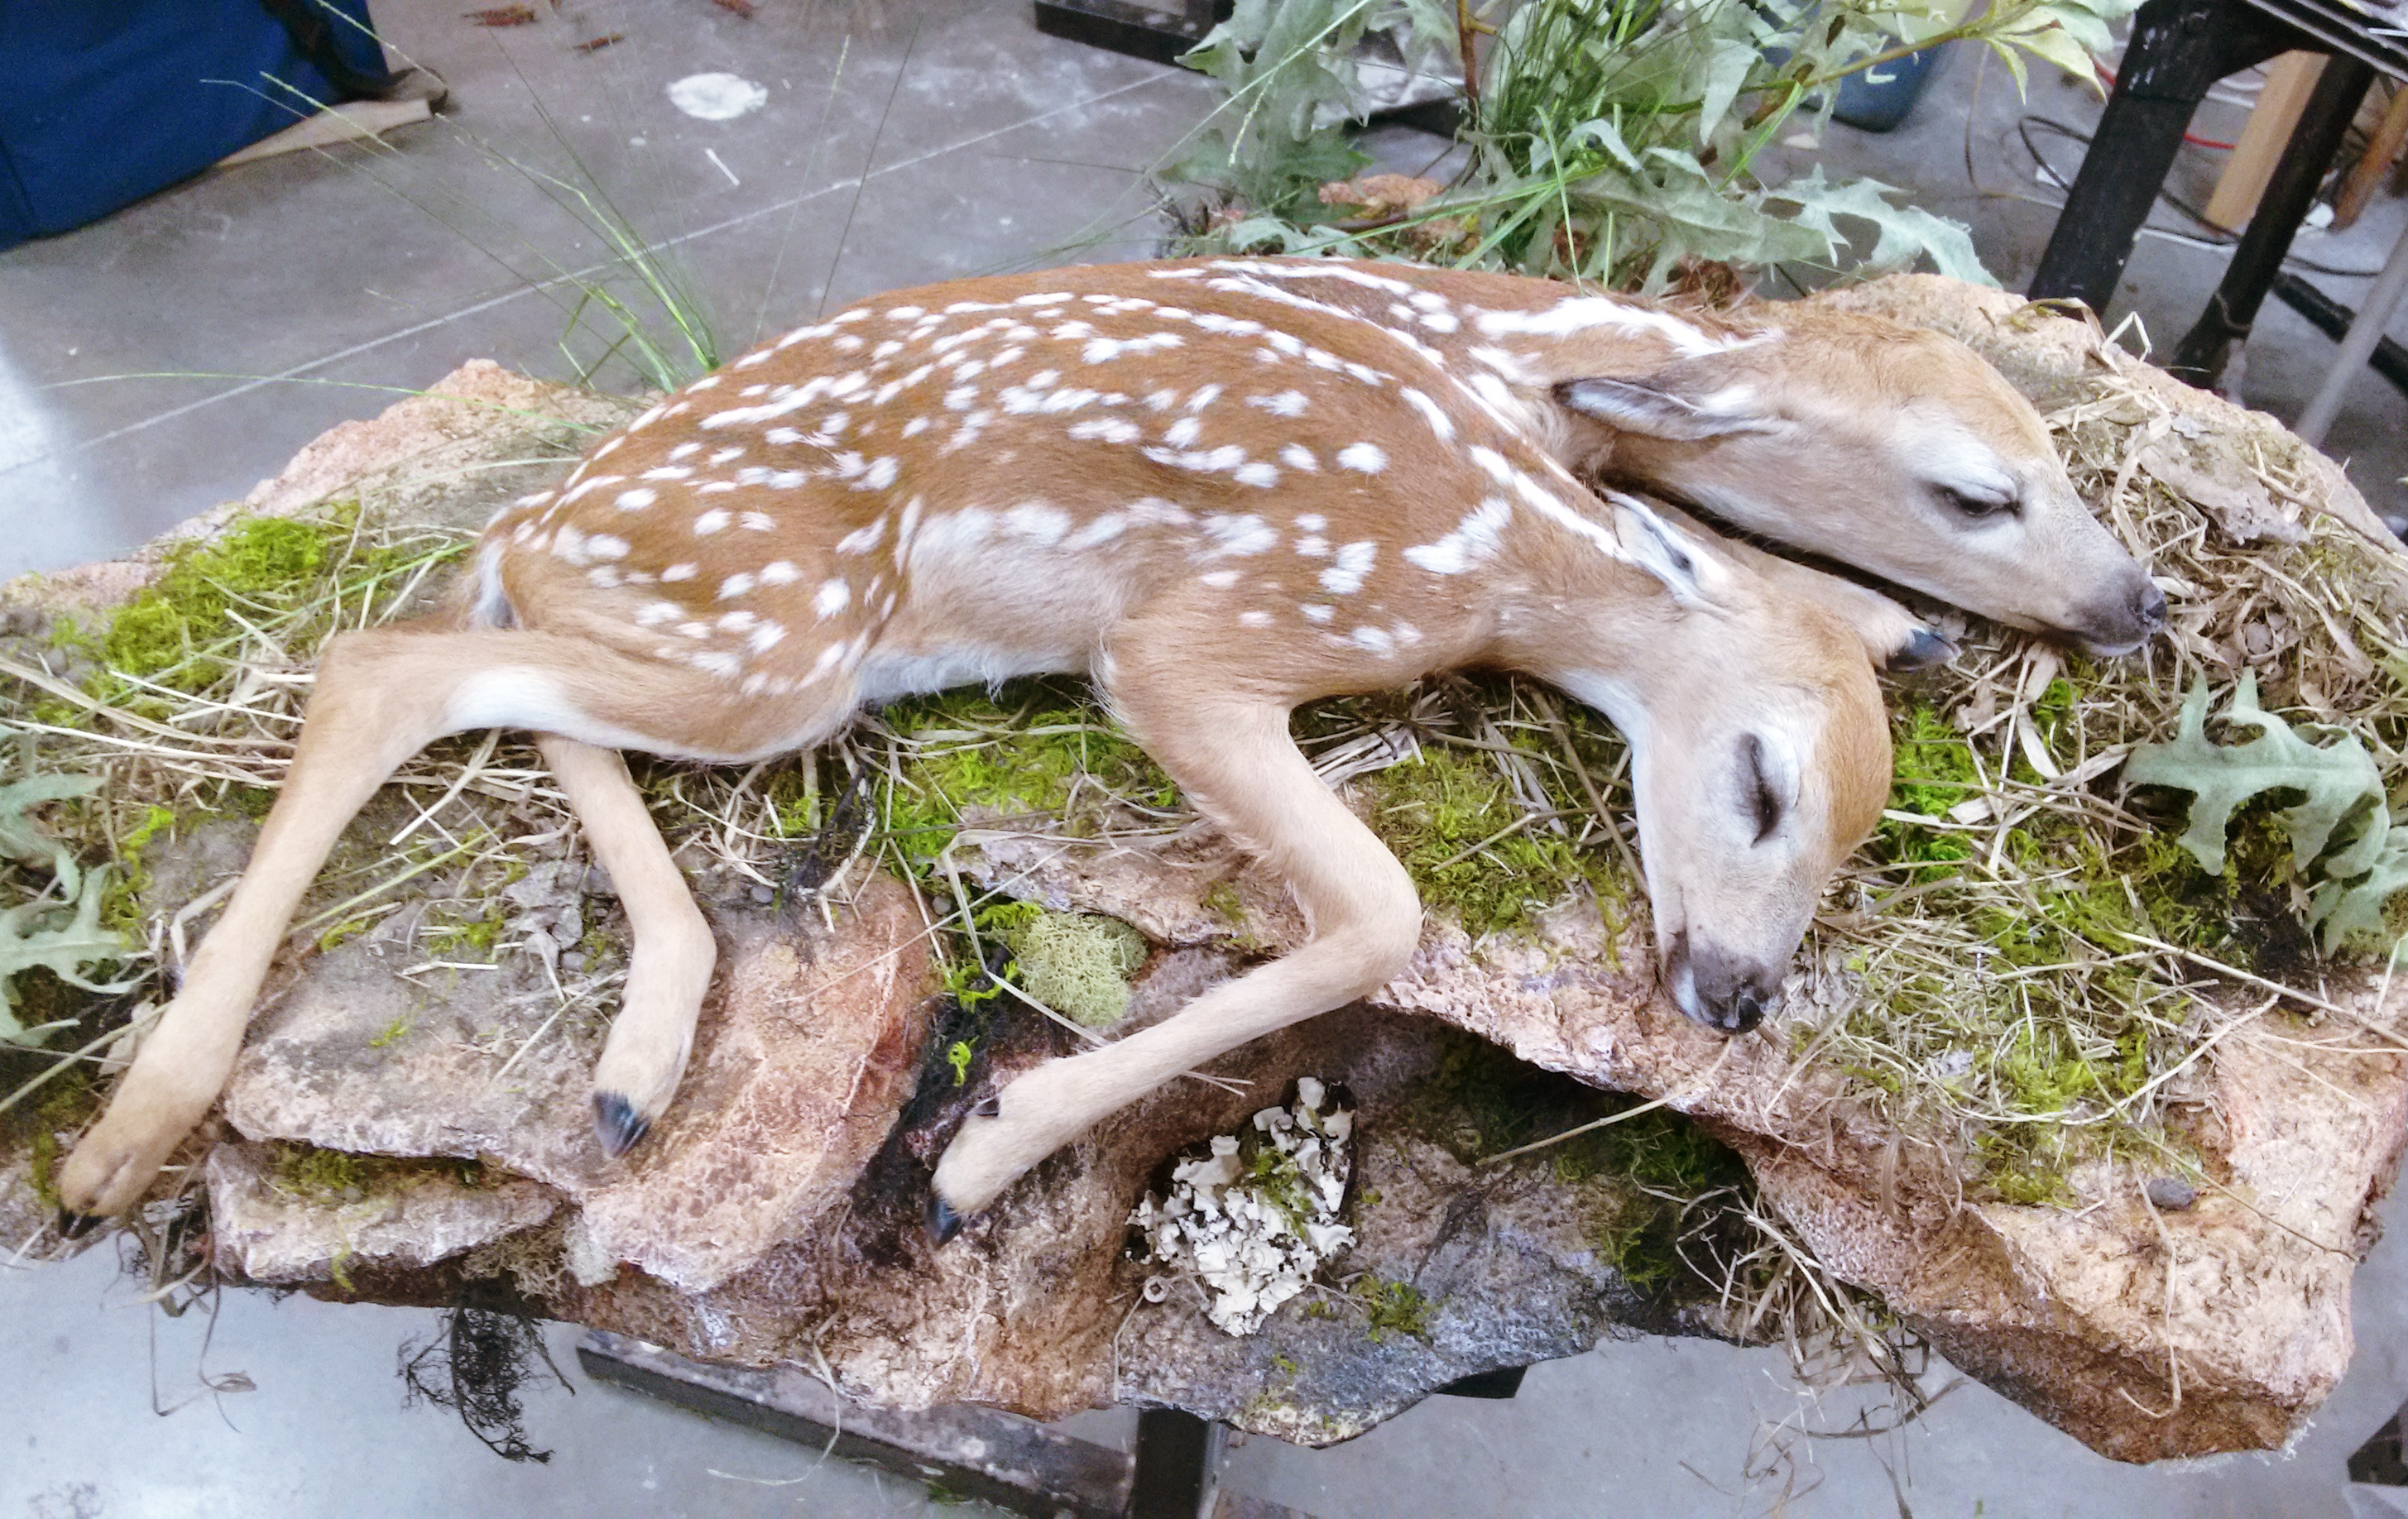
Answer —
(2026, 125)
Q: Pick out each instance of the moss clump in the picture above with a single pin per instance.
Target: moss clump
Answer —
(1442, 812)
(1481, 1101)
(329, 1177)
(1935, 771)
(295, 579)
(1393, 1308)
(1035, 749)
(1079, 963)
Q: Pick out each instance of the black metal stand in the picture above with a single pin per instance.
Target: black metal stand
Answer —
(1013, 1463)
(2179, 48)
(2257, 259)
(1157, 32)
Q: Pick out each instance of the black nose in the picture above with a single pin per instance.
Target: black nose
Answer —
(1725, 993)
(2152, 607)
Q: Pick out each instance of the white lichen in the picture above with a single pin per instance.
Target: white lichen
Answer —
(1254, 1222)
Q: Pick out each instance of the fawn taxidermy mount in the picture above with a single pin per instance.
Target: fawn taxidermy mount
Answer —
(1217, 497)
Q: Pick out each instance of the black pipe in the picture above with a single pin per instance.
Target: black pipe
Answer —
(2332, 318)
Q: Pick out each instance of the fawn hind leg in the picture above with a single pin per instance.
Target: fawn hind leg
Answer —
(379, 699)
(1238, 766)
(382, 696)
(669, 968)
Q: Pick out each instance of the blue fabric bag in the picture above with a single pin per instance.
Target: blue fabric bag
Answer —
(103, 102)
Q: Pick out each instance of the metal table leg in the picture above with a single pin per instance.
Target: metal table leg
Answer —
(2179, 48)
(2257, 258)
(2365, 332)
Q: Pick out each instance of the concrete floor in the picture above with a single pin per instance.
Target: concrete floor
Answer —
(173, 355)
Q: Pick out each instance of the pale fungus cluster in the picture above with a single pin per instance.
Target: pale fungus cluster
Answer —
(1252, 1222)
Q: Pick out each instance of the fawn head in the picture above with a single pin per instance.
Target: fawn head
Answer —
(1761, 758)
(1894, 448)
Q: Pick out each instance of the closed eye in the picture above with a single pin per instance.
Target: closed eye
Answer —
(1978, 504)
(1762, 800)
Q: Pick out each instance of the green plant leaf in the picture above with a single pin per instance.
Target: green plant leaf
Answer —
(1728, 63)
(1905, 232)
(32, 934)
(2338, 780)
(2346, 908)
(21, 838)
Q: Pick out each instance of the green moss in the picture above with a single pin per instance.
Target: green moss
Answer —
(1036, 749)
(391, 1034)
(330, 1177)
(1079, 963)
(1641, 1177)
(1441, 812)
(1224, 902)
(959, 1054)
(291, 576)
(1393, 1308)
(1934, 771)
(345, 931)
(470, 937)
(1275, 1179)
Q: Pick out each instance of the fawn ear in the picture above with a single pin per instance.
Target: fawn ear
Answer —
(1694, 576)
(1669, 405)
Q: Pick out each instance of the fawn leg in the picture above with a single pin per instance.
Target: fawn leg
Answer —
(673, 951)
(379, 699)
(1237, 765)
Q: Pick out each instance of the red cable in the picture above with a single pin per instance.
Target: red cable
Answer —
(2193, 139)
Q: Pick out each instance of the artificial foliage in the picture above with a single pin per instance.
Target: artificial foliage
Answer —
(2338, 785)
(1615, 141)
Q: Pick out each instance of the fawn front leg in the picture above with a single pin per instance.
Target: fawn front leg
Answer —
(669, 968)
(1239, 767)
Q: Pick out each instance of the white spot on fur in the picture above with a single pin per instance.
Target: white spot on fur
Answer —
(637, 499)
(780, 572)
(1255, 618)
(1578, 314)
(1439, 423)
(1257, 474)
(679, 572)
(1474, 540)
(711, 522)
(1315, 613)
(1106, 430)
(1364, 458)
(1374, 639)
(1345, 577)
(1284, 404)
(832, 597)
(1232, 533)
(1297, 457)
(1038, 521)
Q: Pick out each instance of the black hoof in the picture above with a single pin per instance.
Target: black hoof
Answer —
(617, 1123)
(943, 1223)
(1923, 652)
(75, 1225)
(991, 1108)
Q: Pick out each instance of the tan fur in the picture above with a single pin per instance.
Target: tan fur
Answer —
(1842, 418)
(1217, 529)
